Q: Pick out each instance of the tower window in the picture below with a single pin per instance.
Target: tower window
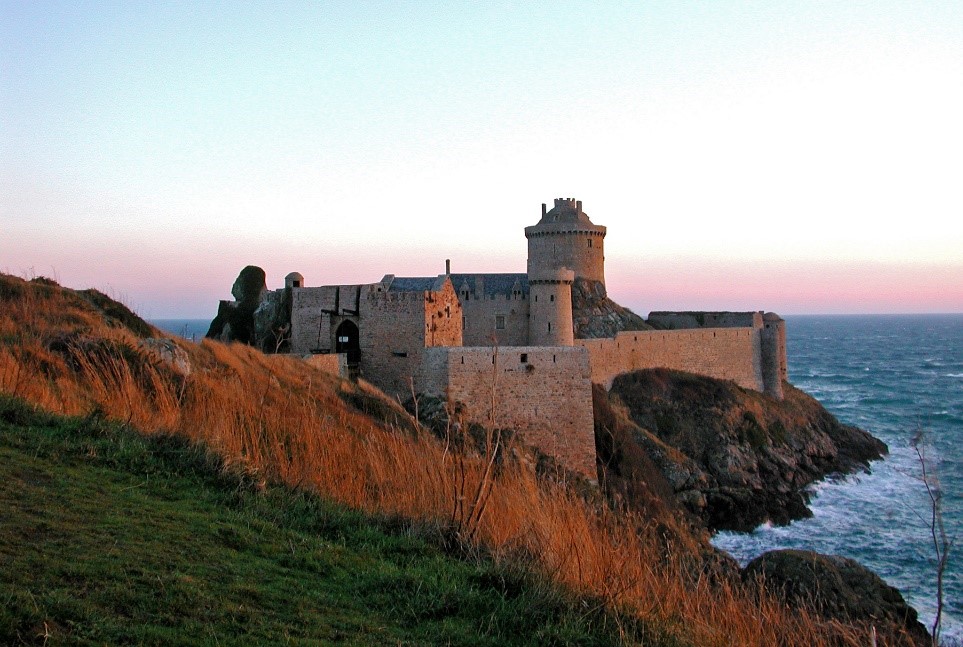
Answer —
(589, 242)
(499, 322)
(524, 358)
(549, 326)
(551, 297)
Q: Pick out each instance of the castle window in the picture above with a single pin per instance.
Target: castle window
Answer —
(499, 322)
(524, 358)
(589, 242)
(464, 321)
(553, 359)
(549, 326)
(399, 353)
(551, 297)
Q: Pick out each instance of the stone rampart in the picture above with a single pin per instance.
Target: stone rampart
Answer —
(723, 353)
(502, 319)
(544, 393)
(316, 314)
(396, 327)
(696, 319)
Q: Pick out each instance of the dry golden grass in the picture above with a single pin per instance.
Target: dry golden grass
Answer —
(275, 417)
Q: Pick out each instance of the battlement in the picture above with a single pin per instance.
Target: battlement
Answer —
(569, 204)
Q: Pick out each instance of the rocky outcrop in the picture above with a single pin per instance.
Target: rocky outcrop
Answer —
(734, 457)
(837, 588)
(235, 319)
(595, 315)
(167, 351)
(272, 322)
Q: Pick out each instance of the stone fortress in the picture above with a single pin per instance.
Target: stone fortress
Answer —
(520, 348)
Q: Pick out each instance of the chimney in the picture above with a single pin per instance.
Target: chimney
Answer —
(543, 209)
(447, 266)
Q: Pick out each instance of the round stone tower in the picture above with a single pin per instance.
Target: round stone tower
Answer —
(565, 237)
(550, 309)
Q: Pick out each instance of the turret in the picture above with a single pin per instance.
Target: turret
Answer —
(550, 309)
(294, 280)
(773, 347)
(565, 237)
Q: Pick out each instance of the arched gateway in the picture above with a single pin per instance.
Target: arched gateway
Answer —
(347, 340)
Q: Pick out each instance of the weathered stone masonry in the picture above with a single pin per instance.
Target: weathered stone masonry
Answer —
(543, 393)
(508, 339)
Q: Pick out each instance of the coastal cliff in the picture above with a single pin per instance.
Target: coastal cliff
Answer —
(735, 458)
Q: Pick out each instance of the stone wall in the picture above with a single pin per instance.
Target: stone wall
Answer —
(693, 319)
(544, 393)
(312, 320)
(723, 353)
(332, 363)
(396, 327)
(481, 320)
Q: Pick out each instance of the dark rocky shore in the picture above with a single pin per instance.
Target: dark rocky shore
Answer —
(736, 458)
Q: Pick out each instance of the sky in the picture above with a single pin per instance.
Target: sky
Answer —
(798, 157)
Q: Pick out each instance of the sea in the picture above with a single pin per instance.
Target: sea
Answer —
(192, 329)
(896, 376)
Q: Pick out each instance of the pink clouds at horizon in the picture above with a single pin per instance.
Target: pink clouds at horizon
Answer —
(170, 282)
(823, 287)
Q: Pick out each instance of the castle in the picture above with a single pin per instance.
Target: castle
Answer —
(505, 345)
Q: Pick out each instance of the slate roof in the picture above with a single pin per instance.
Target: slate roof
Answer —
(493, 283)
(416, 283)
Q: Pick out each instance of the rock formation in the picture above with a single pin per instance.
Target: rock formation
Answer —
(737, 458)
(235, 319)
(595, 315)
(836, 588)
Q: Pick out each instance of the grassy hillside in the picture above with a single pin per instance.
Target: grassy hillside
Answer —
(275, 421)
(112, 537)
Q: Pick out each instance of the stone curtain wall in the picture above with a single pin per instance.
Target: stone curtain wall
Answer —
(332, 363)
(308, 318)
(480, 316)
(392, 338)
(723, 353)
(542, 392)
(679, 320)
(396, 327)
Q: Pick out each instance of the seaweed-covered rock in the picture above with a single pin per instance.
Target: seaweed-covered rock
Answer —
(836, 588)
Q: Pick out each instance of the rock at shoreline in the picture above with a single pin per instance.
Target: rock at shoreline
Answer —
(734, 457)
(836, 588)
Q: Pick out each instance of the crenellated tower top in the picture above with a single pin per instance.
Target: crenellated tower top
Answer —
(566, 238)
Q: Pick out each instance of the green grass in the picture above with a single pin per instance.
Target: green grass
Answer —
(110, 537)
